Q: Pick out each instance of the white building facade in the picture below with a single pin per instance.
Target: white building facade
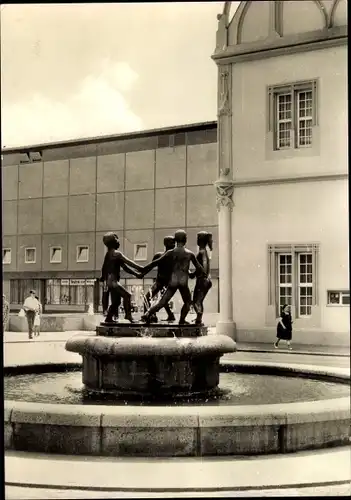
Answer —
(282, 192)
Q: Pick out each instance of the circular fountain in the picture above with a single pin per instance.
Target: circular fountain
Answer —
(155, 361)
(237, 418)
(155, 390)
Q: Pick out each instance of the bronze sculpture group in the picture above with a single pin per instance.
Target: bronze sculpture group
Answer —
(173, 273)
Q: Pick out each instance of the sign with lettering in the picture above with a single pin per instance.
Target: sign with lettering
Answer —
(77, 282)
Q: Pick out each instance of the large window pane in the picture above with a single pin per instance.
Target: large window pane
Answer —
(64, 295)
(305, 122)
(77, 295)
(14, 291)
(19, 290)
(345, 299)
(285, 280)
(305, 277)
(305, 300)
(90, 295)
(284, 117)
(74, 292)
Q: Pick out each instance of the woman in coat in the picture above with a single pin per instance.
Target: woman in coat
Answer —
(284, 327)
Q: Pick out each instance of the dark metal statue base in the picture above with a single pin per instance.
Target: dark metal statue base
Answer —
(154, 330)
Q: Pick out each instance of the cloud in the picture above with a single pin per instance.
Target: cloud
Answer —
(133, 66)
(98, 107)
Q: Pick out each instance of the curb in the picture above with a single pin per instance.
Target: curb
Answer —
(304, 353)
(215, 489)
(241, 474)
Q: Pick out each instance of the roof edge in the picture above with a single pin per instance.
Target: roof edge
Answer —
(109, 138)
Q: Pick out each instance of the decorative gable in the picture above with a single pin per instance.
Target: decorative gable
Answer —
(269, 24)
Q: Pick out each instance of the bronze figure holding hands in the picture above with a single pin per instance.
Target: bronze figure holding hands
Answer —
(162, 279)
(111, 275)
(178, 262)
(203, 282)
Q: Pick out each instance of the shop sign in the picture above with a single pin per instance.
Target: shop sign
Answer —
(77, 282)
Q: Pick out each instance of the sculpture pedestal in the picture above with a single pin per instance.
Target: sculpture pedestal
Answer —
(151, 361)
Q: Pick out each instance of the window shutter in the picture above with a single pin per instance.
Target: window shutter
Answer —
(270, 105)
(314, 103)
(271, 275)
(315, 274)
(276, 280)
(294, 281)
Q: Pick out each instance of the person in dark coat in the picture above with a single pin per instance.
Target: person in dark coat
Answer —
(284, 327)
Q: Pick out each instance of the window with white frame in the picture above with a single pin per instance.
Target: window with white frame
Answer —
(293, 114)
(140, 251)
(284, 279)
(55, 255)
(305, 283)
(83, 253)
(338, 297)
(6, 256)
(30, 255)
(293, 278)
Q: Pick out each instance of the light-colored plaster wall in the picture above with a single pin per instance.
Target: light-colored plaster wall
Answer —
(310, 212)
(253, 157)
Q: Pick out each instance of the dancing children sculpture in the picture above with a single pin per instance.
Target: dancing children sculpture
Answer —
(106, 293)
(111, 272)
(203, 282)
(179, 260)
(163, 276)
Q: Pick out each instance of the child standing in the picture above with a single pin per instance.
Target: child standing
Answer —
(5, 313)
(37, 318)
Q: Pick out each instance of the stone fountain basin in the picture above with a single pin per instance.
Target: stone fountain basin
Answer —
(184, 365)
(184, 431)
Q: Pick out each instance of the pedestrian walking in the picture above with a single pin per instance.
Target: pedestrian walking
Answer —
(284, 327)
(37, 319)
(30, 307)
(5, 312)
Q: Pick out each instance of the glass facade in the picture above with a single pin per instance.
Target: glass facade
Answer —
(54, 230)
(73, 292)
(19, 290)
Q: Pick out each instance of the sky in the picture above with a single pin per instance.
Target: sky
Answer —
(83, 70)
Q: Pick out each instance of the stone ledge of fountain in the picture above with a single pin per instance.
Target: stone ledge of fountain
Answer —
(181, 431)
(116, 347)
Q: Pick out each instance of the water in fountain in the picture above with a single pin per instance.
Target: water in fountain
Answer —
(234, 389)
